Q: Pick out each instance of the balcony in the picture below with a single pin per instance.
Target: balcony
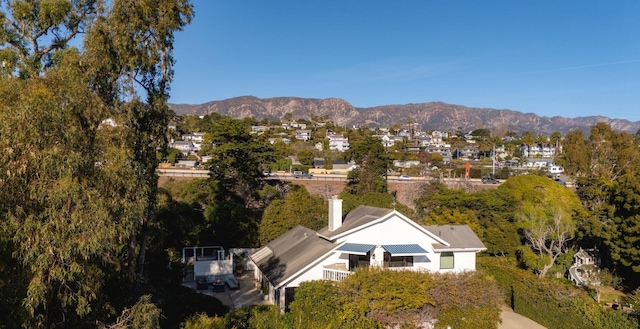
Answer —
(335, 272)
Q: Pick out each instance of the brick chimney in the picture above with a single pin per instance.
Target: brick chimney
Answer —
(335, 213)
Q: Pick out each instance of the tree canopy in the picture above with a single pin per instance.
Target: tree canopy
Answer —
(373, 163)
(77, 196)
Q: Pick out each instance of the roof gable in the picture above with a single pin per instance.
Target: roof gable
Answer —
(458, 236)
(365, 216)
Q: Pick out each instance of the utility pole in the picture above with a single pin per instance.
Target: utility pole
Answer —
(493, 161)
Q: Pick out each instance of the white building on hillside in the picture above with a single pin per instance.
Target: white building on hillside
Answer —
(338, 142)
(368, 236)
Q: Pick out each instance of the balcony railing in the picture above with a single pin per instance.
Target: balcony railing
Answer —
(335, 272)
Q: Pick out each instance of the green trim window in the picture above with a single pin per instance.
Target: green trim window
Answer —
(446, 260)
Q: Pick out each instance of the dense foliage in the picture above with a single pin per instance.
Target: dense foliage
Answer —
(86, 235)
(374, 298)
(77, 197)
(552, 303)
(297, 208)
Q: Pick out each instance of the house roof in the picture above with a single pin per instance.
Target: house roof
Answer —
(586, 253)
(459, 237)
(281, 259)
(355, 218)
(290, 253)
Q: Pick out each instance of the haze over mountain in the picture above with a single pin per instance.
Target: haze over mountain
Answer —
(429, 116)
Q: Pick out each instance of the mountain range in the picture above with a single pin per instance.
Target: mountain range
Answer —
(428, 116)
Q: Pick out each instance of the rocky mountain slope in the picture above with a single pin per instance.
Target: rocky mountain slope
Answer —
(429, 116)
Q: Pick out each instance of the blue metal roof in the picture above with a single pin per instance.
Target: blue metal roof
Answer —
(356, 248)
(404, 249)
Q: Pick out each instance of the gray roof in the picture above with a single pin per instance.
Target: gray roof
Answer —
(459, 237)
(355, 218)
(289, 253)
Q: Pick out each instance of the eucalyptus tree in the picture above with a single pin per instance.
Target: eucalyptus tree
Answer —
(574, 156)
(77, 196)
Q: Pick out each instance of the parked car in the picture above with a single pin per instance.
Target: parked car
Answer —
(269, 174)
(404, 177)
(489, 180)
(300, 174)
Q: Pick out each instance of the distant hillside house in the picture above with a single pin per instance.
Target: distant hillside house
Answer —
(388, 140)
(194, 137)
(368, 236)
(538, 150)
(258, 129)
(443, 149)
(185, 147)
(405, 164)
(468, 152)
(338, 142)
(284, 140)
(303, 134)
(437, 136)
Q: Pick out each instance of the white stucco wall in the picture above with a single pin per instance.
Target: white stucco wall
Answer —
(213, 267)
(391, 231)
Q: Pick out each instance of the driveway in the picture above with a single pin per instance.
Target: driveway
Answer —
(247, 294)
(512, 320)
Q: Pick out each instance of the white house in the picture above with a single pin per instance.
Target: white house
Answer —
(338, 142)
(586, 264)
(303, 134)
(368, 236)
(194, 137)
(185, 147)
(538, 150)
(258, 129)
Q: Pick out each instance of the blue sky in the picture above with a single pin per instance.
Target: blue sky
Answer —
(567, 58)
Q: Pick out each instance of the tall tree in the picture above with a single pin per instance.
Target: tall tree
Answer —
(547, 214)
(238, 159)
(622, 229)
(612, 153)
(575, 154)
(528, 138)
(82, 194)
(297, 208)
(373, 163)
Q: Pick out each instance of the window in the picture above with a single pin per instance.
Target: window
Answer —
(397, 261)
(446, 260)
(359, 261)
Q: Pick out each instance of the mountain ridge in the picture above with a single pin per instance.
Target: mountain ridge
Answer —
(428, 115)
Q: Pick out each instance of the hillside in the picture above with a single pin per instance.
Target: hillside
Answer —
(429, 116)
